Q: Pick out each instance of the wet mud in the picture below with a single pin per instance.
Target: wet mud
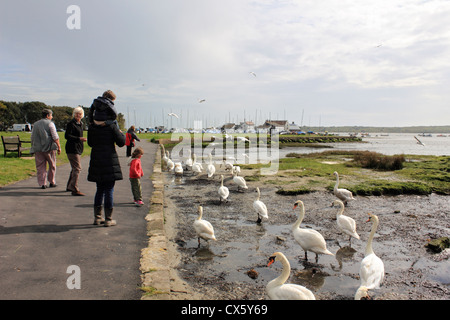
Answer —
(235, 266)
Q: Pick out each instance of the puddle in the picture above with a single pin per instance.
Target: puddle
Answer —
(243, 246)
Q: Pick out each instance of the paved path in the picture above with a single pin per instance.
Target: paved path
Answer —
(43, 232)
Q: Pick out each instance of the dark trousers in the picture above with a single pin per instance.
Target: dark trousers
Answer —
(104, 194)
(129, 148)
(75, 163)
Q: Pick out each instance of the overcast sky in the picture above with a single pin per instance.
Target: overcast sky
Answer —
(328, 62)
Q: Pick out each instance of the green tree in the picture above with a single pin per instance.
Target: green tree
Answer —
(31, 111)
(62, 116)
(7, 118)
(121, 121)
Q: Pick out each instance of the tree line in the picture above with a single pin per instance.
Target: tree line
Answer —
(29, 112)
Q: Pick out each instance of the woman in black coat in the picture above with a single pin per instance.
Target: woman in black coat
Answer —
(104, 167)
(74, 149)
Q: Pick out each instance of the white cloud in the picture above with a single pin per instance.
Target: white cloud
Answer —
(308, 55)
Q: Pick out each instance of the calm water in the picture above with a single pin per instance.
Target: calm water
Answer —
(394, 143)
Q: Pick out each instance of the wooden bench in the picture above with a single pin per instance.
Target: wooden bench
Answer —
(14, 144)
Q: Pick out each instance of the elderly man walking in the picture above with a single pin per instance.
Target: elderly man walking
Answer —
(45, 144)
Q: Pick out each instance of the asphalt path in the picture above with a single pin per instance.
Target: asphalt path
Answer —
(49, 248)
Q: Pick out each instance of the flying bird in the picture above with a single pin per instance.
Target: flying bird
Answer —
(254, 74)
(242, 139)
(419, 142)
(173, 115)
(201, 100)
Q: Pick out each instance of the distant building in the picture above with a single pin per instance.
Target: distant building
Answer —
(228, 127)
(246, 126)
(292, 127)
(279, 125)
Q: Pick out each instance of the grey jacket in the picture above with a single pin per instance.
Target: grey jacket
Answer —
(41, 137)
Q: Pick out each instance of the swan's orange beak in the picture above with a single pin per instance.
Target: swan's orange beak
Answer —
(295, 206)
(368, 220)
(271, 260)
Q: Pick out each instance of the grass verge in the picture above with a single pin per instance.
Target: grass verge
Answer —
(299, 174)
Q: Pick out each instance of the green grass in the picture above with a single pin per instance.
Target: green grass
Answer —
(420, 174)
(431, 170)
(386, 187)
(13, 169)
(298, 173)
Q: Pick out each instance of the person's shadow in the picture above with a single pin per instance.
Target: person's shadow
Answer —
(44, 228)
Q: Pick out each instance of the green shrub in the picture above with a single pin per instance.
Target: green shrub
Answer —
(293, 192)
(380, 187)
(374, 160)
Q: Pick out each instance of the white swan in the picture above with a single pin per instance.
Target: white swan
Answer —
(196, 166)
(228, 165)
(170, 164)
(203, 228)
(178, 169)
(277, 289)
(188, 161)
(223, 191)
(371, 271)
(165, 158)
(239, 181)
(260, 208)
(346, 224)
(362, 293)
(210, 169)
(308, 239)
(236, 169)
(342, 194)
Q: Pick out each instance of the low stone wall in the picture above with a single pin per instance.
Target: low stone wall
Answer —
(154, 258)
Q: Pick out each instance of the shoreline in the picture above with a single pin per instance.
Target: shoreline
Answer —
(172, 255)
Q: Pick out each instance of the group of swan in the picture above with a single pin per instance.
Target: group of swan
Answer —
(372, 267)
(371, 270)
(197, 167)
(177, 167)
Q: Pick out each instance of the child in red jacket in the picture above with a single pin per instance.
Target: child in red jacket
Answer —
(135, 175)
